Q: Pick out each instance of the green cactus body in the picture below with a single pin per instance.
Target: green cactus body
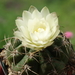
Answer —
(50, 61)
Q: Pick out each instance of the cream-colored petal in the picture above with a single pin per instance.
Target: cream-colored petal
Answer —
(18, 35)
(26, 16)
(38, 43)
(53, 21)
(55, 35)
(54, 15)
(35, 45)
(33, 37)
(22, 27)
(45, 11)
(36, 14)
(19, 23)
(24, 40)
(55, 18)
(25, 32)
(32, 24)
(38, 39)
(42, 36)
(32, 8)
(49, 43)
(50, 20)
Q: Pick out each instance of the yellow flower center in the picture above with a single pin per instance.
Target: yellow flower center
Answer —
(39, 27)
(39, 30)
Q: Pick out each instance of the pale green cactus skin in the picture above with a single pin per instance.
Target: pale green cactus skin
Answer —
(52, 60)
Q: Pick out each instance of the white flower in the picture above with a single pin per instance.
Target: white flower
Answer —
(37, 30)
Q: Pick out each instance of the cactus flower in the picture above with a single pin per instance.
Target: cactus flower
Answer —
(68, 34)
(37, 30)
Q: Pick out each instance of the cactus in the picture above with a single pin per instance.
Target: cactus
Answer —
(57, 59)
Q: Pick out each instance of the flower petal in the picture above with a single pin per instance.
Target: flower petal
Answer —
(18, 35)
(55, 35)
(32, 8)
(36, 14)
(26, 15)
(53, 21)
(32, 24)
(19, 23)
(44, 12)
(25, 32)
(55, 17)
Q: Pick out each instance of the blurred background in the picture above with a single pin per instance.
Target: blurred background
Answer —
(11, 9)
